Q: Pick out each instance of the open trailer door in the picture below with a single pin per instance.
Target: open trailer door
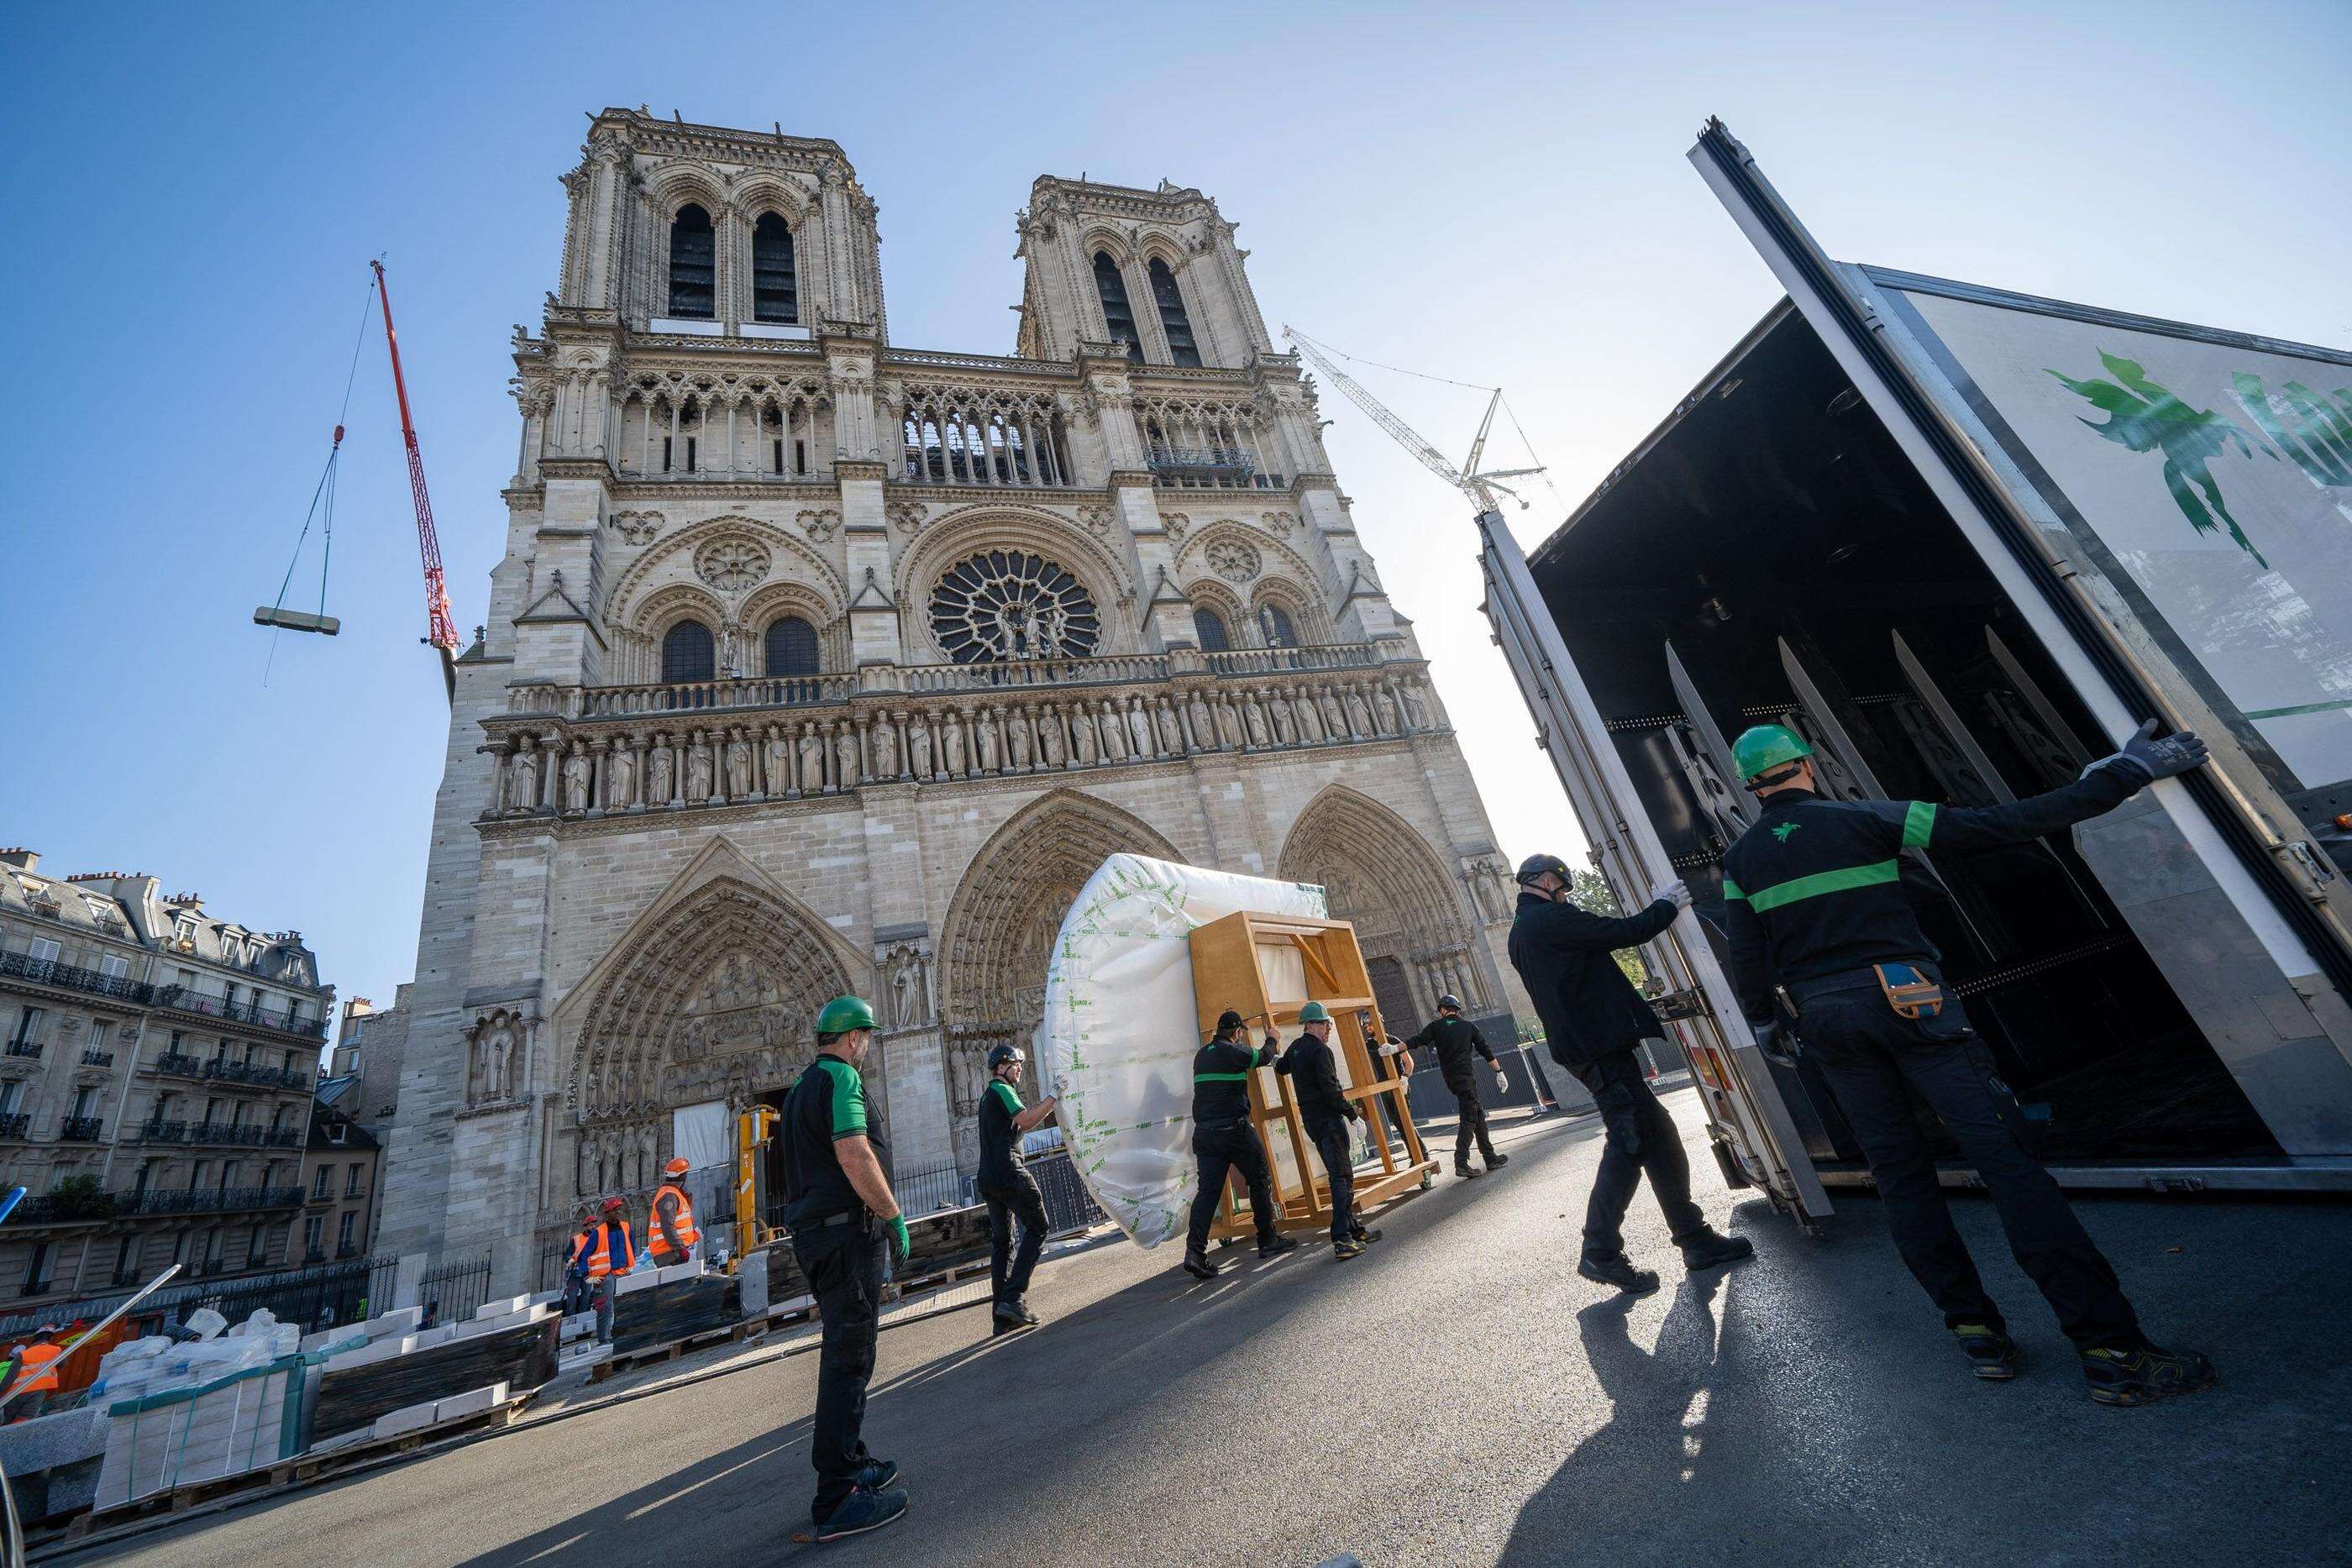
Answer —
(1756, 1142)
(2164, 511)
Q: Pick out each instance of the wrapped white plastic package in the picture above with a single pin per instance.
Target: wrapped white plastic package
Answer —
(1120, 1027)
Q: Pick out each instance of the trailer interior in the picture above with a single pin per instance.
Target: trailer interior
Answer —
(1768, 555)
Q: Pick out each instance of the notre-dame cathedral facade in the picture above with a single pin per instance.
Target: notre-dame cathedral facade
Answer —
(816, 664)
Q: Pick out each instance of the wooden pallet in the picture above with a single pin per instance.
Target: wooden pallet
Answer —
(670, 1350)
(302, 1469)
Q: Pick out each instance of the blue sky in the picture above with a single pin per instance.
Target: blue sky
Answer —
(1488, 194)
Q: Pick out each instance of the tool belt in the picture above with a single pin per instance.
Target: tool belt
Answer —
(1914, 991)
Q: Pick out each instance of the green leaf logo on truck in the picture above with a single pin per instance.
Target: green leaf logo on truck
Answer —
(2312, 429)
(2144, 417)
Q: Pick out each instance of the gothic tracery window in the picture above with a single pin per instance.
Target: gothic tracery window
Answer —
(1117, 313)
(1008, 604)
(1209, 630)
(775, 282)
(689, 652)
(791, 647)
(1181, 350)
(693, 264)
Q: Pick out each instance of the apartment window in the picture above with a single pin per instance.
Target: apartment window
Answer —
(693, 264)
(343, 1229)
(99, 1030)
(114, 966)
(322, 1180)
(228, 1174)
(122, 1251)
(352, 1181)
(28, 1023)
(255, 1248)
(36, 1270)
(42, 951)
(12, 1097)
(775, 286)
(146, 1176)
(689, 652)
(179, 1039)
(196, 1174)
(1118, 315)
(1209, 630)
(85, 1102)
(313, 1232)
(1172, 319)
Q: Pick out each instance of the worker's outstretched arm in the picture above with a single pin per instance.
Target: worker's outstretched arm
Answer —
(1035, 1115)
(1563, 928)
(2104, 785)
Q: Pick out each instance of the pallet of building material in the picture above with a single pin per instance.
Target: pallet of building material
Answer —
(187, 1437)
(675, 1310)
(395, 1373)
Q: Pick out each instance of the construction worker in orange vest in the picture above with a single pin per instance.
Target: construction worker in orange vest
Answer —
(611, 1250)
(670, 1235)
(35, 1370)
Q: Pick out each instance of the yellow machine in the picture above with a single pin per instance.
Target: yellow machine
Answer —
(753, 1129)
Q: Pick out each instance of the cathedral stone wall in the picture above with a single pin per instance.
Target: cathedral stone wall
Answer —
(817, 664)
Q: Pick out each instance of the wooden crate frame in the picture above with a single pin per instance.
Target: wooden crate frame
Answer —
(1225, 974)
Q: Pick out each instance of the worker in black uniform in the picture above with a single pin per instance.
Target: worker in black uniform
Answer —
(1006, 1186)
(1593, 1019)
(1814, 904)
(1391, 1063)
(1325, 1108)
(839, 1209)
(1457, 1038)
(1223, 1140)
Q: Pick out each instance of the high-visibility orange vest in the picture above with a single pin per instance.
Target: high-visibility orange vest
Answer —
(601, 1259)
(38, 1365)
(655, 1243)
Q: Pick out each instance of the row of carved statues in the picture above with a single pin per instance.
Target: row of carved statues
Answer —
(721, 763)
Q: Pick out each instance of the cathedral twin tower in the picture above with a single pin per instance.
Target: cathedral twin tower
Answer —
(818, 665)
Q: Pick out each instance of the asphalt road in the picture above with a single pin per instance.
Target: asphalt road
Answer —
(1458, 1396)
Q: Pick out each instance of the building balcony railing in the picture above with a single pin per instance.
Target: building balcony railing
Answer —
(314, 1196)
(91, 1057)
(236, 1134)
(347, 1249)
(1216, 468)
(156, 1131)
(81, 1129)
(25, 1048)
(181, 1063)
(314, 1255)
(72, 977)
(288, 1020)
(16, 1125)
(284, 1138)
(686, 697)
(606, 751)
(209, 1200)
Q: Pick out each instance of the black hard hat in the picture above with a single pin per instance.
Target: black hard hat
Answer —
(999, 1055)
(1228, 1019)
(1535, 866)
(1450, 1000)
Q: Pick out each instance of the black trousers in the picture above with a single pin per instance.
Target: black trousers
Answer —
(1869, 1055)
(1008, 1201)
(1222, 1148)
(1641, 1140)
(844, 1267)
(1471, 1123)
(1338, 1162)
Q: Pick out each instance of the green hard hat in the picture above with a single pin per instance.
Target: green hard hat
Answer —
(1314, 1012)
(845, 1013)
(1767, 746)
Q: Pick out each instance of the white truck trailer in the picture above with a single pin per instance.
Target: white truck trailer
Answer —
(1965, 540)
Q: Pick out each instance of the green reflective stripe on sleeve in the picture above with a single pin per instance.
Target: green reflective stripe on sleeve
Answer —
(1731, 892)
(848, 1098)
(1005, 1096)
(1221, 1078)
(1843, 880)
(1918, 824)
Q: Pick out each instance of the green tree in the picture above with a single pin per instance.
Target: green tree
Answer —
(1590, 892)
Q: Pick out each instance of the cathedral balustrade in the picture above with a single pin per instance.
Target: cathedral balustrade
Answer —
(596, 752)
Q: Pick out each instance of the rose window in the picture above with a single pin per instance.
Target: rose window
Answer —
(1010, 605)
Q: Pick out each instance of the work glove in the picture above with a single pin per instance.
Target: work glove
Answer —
(899, 1237)
(1676, 892)
(1777, 1041)
(2154, 757)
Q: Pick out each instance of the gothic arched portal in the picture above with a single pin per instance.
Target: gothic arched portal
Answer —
(1381, 877)
(1001, 927)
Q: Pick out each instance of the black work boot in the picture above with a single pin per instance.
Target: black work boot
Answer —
(1276, 1246)
(1343, 1250)
(1712, 1249)
(1464, 1170)
(1618, 1271)
(2144, 1376)
(1014, 1311)
(1992, 1352)
(1497, 1161)
(1367, 1233)
(1197, 1264)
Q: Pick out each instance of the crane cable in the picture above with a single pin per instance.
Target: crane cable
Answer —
(323, 496)
(1508, 411)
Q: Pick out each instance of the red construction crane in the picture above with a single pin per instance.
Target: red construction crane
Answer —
(443, 634)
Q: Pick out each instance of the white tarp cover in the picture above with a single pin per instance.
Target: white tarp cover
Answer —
(1120, 1027)
(702, 1134)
